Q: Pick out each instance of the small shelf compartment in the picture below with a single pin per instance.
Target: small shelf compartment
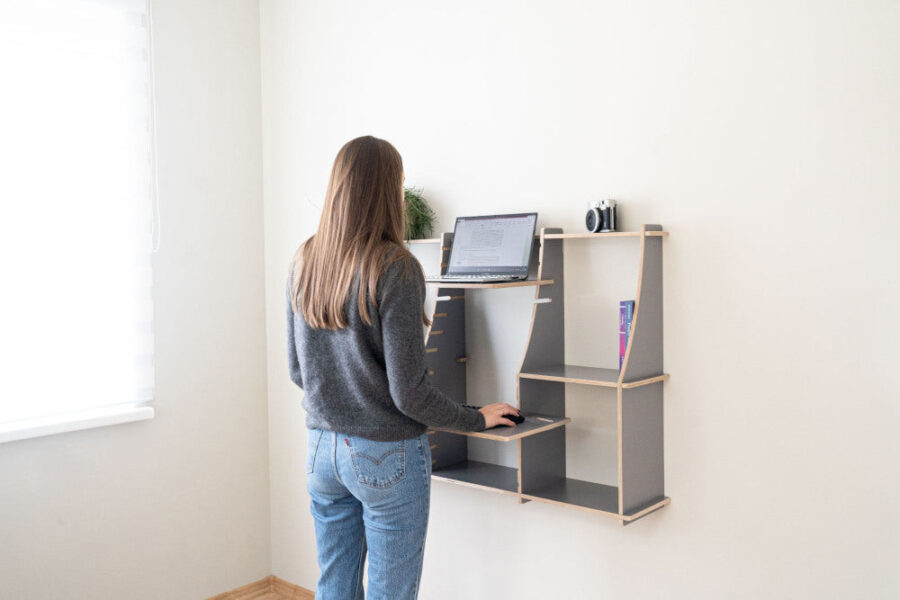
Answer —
(473, 473)
(533, 425)
(587, 376)
(575, 492)
(574, 374)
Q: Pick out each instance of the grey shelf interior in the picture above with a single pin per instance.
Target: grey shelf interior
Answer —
(482, 474)
(576, 492)
(574, 374)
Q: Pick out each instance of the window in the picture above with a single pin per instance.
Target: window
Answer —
(76, 230)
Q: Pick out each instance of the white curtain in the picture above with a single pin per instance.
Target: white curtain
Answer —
(76, 186)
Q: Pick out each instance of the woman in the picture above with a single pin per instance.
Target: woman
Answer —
(355, 345)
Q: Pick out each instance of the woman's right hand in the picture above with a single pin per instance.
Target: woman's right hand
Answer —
(494, 414)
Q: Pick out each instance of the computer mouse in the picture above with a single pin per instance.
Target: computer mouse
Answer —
(517, 419)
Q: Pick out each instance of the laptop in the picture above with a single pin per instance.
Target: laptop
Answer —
(489, 249)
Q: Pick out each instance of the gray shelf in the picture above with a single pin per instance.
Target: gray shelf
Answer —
(480, 474)
(574, 374)
(476, 286)
(587, 376)
(648, 507)
(533, 425)
(586, 494)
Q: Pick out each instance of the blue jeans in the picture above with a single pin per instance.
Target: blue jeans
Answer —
(368, 497)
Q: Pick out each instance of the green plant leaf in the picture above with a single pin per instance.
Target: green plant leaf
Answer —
(419, 216)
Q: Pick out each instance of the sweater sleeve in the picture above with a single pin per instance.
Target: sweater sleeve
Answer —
(400, 308)
(293, 361)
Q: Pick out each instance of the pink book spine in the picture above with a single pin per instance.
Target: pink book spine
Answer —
(626, 313)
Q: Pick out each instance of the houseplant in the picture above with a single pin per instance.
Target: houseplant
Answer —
(419, 216)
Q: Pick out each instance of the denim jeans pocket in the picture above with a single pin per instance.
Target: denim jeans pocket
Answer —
(312, 446)
(377, 464)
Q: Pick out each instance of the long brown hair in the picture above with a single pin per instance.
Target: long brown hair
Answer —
(361, 230)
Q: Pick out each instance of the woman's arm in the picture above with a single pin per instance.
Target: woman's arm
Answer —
(400, 307)
(293, 361)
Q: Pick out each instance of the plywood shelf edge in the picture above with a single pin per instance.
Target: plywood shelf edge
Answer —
(532, 426)
(480, 286)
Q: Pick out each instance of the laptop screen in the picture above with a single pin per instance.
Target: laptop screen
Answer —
(492, 244)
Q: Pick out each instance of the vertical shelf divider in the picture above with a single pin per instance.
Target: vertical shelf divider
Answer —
(640, 409)
(542, 458)
(446, 372)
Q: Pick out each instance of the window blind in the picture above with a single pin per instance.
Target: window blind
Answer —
(77, 191)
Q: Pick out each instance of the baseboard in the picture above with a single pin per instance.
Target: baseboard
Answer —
(268, 588)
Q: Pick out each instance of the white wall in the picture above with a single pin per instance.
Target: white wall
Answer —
(764, 137)
(175, 507)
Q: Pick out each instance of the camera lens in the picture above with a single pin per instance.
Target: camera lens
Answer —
(591, 220)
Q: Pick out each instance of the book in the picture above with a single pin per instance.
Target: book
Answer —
(626, 313)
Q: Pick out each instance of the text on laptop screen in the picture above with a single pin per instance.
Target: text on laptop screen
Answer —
(492, 244)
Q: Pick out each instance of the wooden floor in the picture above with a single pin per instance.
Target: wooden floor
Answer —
(269, 588)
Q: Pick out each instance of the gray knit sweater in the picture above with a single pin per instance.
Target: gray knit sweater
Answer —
(370, 380)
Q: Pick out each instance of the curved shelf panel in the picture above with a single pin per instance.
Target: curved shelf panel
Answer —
(533, 425)
(476, 286)
(644, 354)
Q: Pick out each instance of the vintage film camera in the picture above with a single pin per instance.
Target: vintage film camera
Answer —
(601, 216)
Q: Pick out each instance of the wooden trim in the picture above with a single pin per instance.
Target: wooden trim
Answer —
(587, 236)
(436, 332)
(647, 510)
(268, 588)
(246, 592)
(438, 315)
(509, 438)
(462, 359)
(430, 350)
(638, 383)
(289, 591)
(611, 384)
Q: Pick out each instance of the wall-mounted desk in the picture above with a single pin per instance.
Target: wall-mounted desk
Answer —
(540, 474)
